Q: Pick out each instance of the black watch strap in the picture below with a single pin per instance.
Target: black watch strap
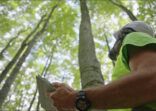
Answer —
(82, 102)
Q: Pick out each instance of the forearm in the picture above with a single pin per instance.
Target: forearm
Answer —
(133, 90)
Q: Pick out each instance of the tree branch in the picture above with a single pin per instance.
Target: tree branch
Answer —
(5, 89)
(129, 13)
(19, 52)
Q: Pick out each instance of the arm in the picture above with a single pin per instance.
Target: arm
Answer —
(135, 89)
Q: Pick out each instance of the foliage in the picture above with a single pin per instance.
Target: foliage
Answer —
(60, 40)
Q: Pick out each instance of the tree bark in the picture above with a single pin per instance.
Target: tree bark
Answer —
(128, 12)
(90, 70)
(89, 65)
(5, 89)
(19, 52)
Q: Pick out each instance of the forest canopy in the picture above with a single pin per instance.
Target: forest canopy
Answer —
(40, 37)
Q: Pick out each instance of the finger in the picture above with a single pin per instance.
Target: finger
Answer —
(68, 87)
(58, 91)
(51, 94)
(57, 84)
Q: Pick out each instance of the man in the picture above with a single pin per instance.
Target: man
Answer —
(135, 50)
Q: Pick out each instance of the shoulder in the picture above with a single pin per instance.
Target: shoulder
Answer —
(142, 57)
(137, 45)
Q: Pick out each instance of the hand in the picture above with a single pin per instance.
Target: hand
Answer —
(64, 97)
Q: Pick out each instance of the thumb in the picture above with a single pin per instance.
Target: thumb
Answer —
(50, 94)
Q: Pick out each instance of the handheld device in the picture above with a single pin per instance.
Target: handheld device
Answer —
(44, 86)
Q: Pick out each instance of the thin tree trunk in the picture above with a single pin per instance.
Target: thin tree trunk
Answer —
(35, 93)
(113, 62)
(44, 72)
(32, 101)
(129, 13)
(90, 70)
(89, 66)
(38, 106)
(19, 52)
(7, 46)
(5, 89)
(46, 68)
(9, 43)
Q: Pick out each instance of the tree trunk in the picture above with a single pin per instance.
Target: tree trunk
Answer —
(8, 44)
(5, 89)
(90, 69)
(33, 99)
(42, 100)
(89, 65)
(128, 12)
(38, 106)
(44, 72)
(113, 62)
(19, 52)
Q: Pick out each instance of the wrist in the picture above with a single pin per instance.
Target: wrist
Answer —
(82, 103)
(73, 98)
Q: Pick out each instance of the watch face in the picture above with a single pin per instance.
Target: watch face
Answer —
(81, 104)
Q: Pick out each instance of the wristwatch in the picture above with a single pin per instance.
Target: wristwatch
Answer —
(82, 102)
